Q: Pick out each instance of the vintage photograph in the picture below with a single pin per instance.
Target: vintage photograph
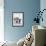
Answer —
(17, 19)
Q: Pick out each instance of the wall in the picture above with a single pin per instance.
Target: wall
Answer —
(43, 6)
(29, 7)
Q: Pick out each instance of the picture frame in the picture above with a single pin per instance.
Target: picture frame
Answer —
(17, 19)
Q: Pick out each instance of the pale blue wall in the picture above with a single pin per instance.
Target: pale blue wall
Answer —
(29, 7)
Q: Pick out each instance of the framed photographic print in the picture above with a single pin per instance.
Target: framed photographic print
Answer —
(18, 19)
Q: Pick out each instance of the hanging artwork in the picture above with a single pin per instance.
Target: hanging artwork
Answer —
(17, 19)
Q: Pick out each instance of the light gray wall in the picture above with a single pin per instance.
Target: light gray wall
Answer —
(29, 7)
(43, 6)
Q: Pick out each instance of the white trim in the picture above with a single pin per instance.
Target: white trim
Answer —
(1, 20)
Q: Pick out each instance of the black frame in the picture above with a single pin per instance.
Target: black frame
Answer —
(12, 19)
